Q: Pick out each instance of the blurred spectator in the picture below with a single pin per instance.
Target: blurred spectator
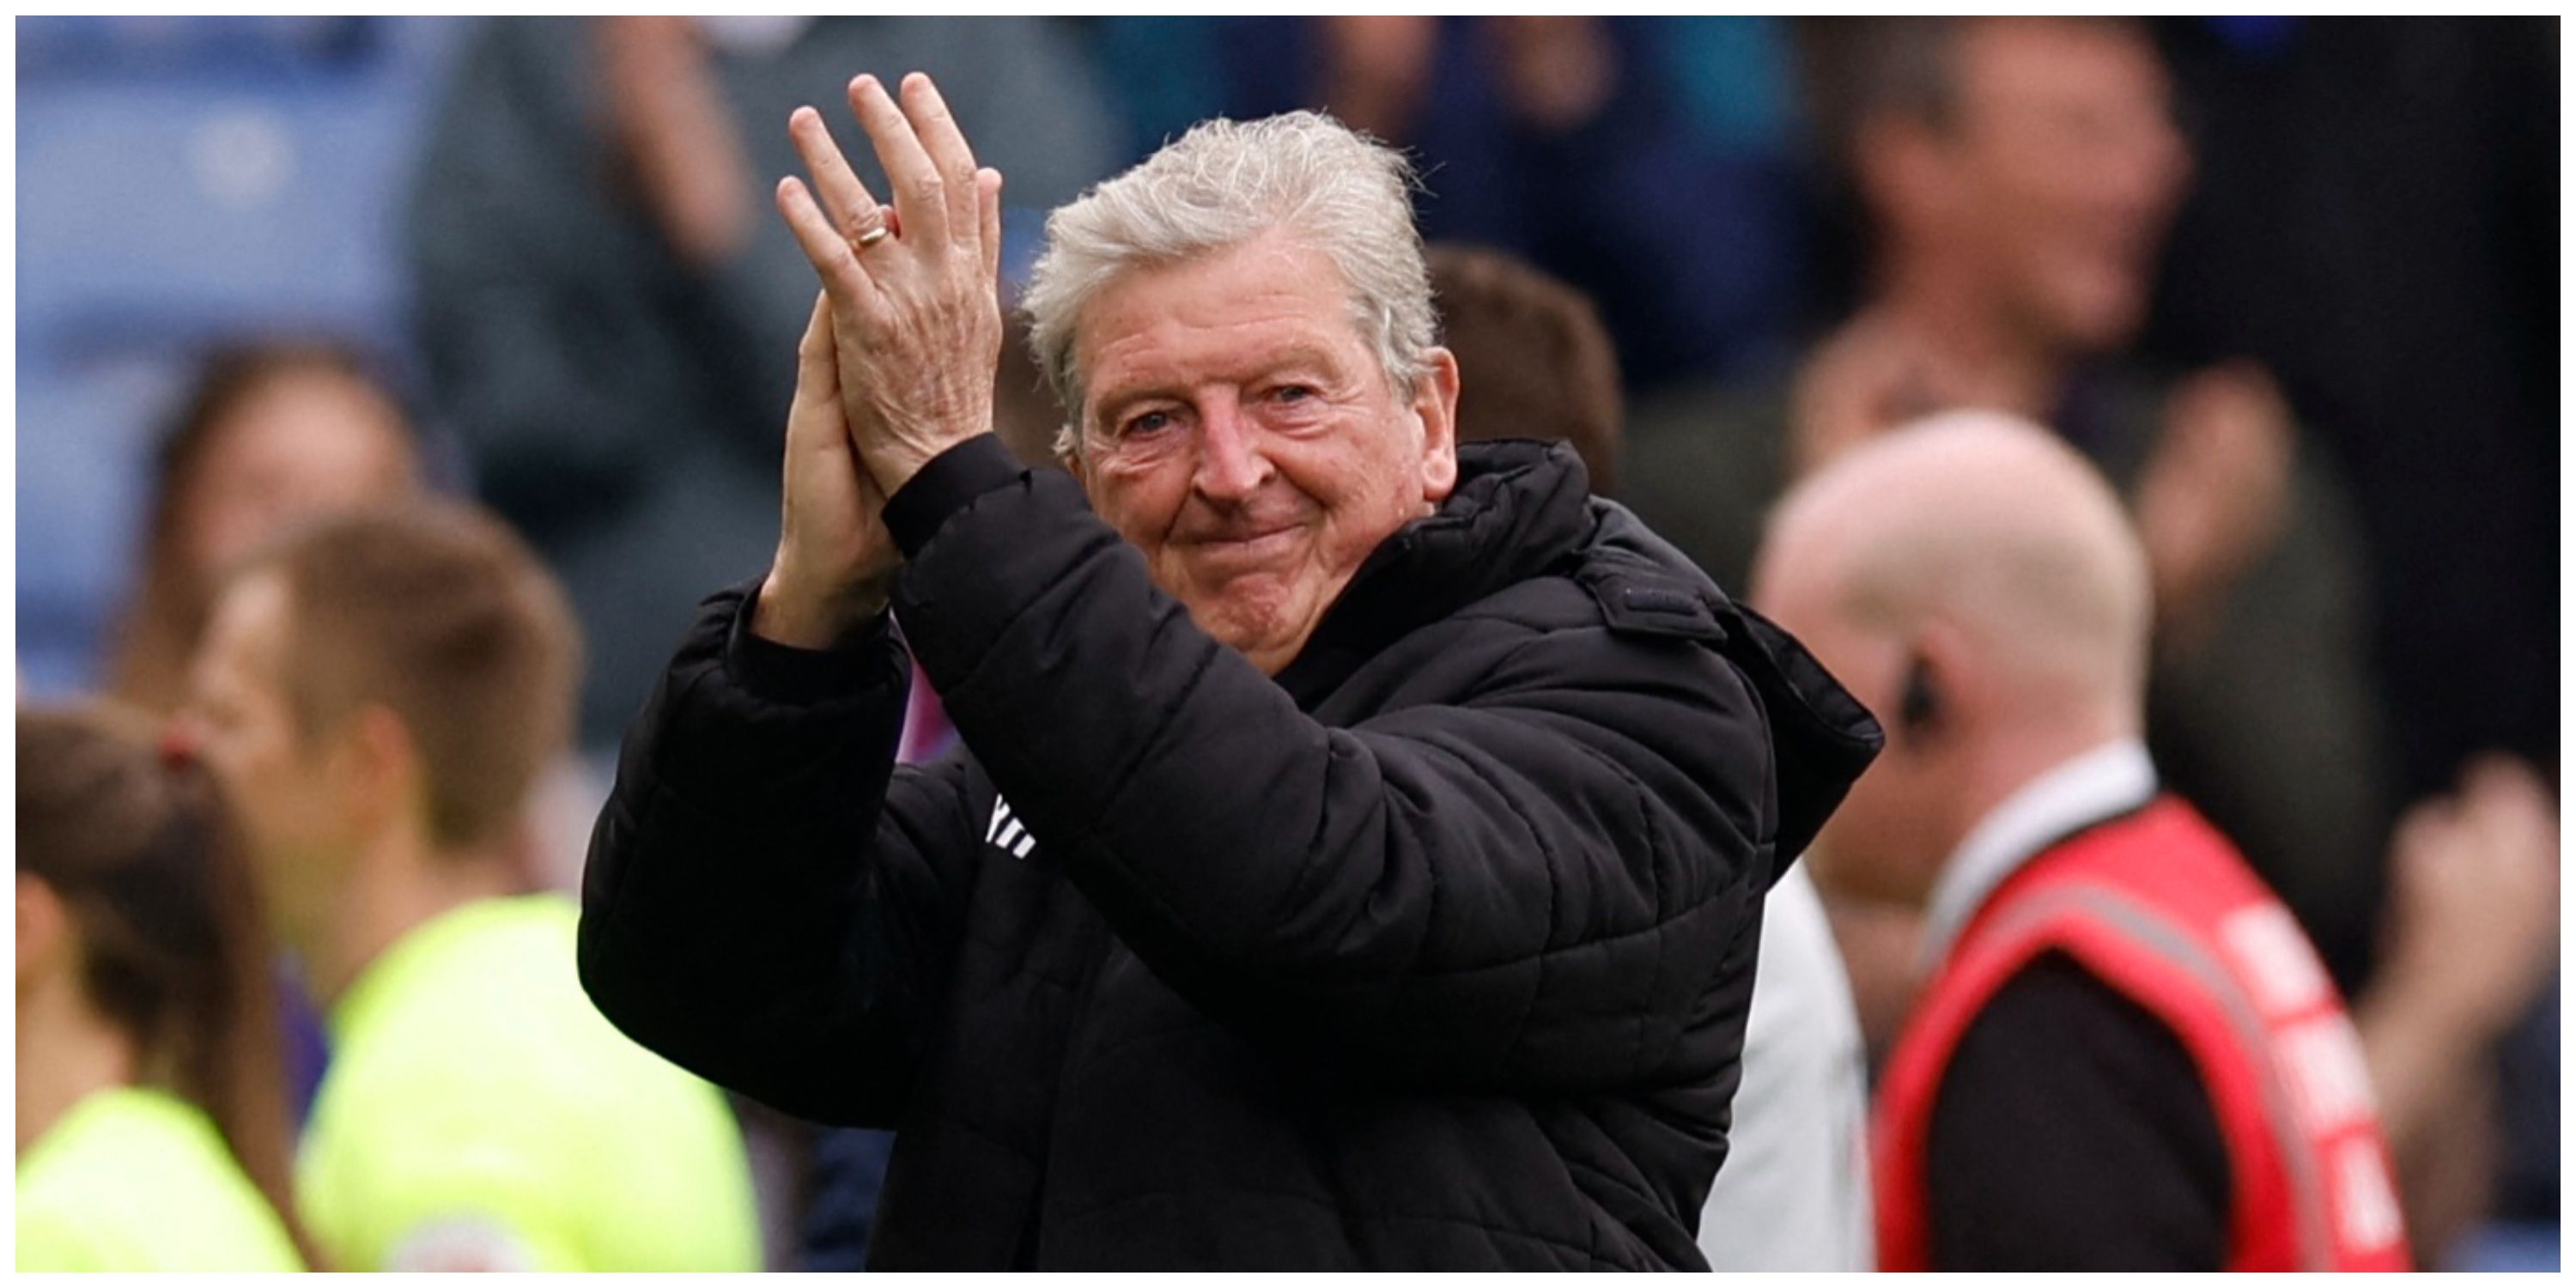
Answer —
(2092, 1078)
(1532, 351)
(381, 690)
(2019, 175)
(273, 432)
(153, 1130)
(2377, 223)
(1571, 141)
(610, 311)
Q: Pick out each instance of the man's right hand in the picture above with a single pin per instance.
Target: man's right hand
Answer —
(835, 557)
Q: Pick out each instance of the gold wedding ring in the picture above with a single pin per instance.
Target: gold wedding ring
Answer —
(876, 229)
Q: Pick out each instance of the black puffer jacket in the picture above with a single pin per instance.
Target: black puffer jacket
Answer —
(1433, 952)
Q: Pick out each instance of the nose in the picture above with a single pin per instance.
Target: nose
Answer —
(1231, 465)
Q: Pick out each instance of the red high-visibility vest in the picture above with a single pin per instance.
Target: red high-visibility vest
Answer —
(2161, 907)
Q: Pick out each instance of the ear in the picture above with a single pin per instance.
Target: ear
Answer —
(377, 766)
(1078, 464)
(1435, 404)
(43, 926)
(1947, 670)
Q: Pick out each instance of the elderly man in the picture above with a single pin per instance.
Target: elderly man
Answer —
(2127, 1056)
(1357, 853)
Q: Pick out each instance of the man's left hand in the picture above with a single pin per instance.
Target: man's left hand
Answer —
(2215, 494)
(916, 315)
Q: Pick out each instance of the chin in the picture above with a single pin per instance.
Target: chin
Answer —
(1256, 628)
(1250, 636)
(2104, 316)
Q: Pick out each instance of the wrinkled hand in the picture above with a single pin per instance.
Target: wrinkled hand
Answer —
(916, 317)
(834, 553)
(2474, 899)
(2215, 491)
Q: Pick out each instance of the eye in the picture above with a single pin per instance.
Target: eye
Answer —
(1145, 423)
(1294, 393)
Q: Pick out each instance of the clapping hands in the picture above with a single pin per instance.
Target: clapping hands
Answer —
(898, 362)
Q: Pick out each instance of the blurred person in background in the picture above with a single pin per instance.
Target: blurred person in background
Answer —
(153, 1126)
(1534, 362)
(609, 314)
(1534, 351)
(1571, 141)
(273, 432)
(2018, 175)
(380, 691)
(2127, 1056)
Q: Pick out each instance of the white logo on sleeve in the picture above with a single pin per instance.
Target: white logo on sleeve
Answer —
(1005, 830)
(460, 1243)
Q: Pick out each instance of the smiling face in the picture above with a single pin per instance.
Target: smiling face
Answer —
(2069, 167)
(2045, 189)
(1238, 429)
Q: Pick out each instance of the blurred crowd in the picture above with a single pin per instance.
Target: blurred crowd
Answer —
(455, 375)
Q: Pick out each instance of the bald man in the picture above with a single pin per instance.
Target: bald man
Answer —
(2126, 1056)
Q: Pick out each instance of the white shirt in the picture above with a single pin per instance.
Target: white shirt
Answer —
(2106, 782)
(1794, 1193)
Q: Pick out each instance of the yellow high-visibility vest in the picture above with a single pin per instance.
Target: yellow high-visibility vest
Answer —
(479, 1112)
(136, 1179)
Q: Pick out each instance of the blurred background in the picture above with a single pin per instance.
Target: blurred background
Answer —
(2293, 283)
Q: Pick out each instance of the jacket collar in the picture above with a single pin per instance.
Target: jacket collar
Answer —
(1520, 506)
(2111, 780)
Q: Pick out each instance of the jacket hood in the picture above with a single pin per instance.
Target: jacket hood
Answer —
(1822, 737)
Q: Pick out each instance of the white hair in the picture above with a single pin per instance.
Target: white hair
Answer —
(1226, 183)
